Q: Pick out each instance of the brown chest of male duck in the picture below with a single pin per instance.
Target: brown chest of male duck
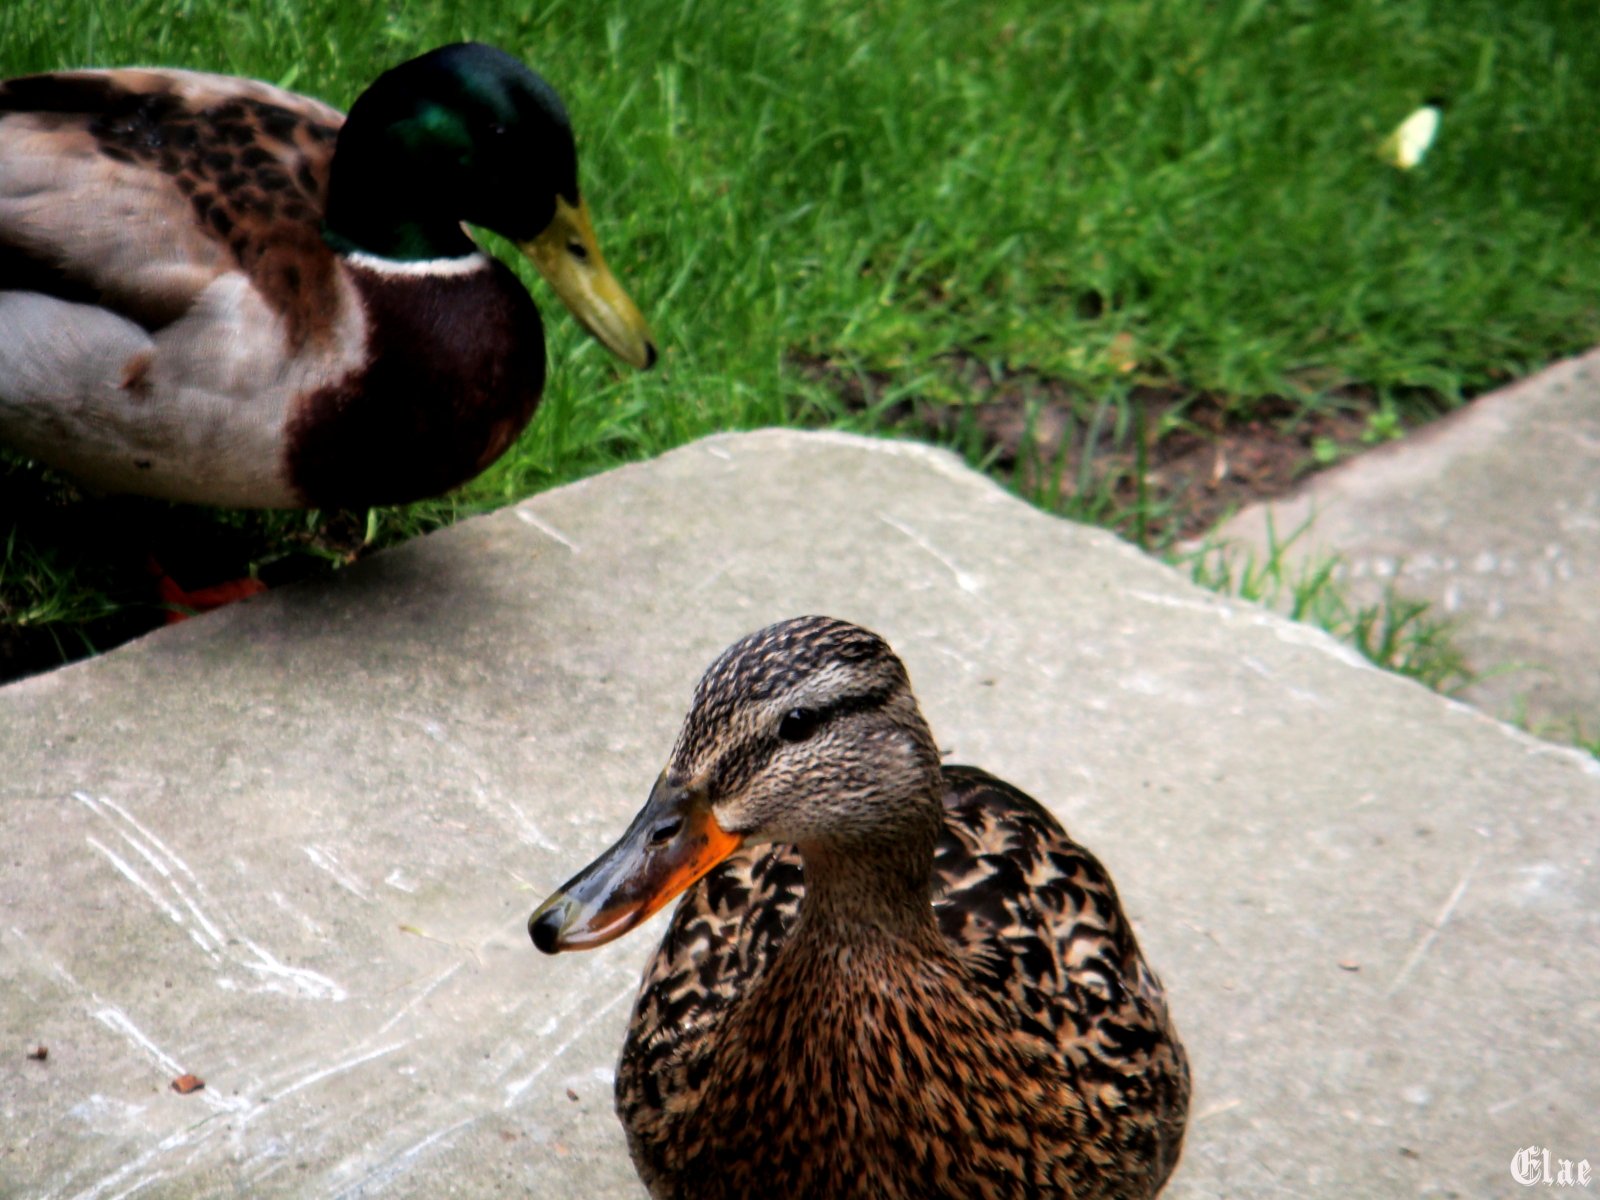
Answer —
(439, 398)
(886, 978)
(215, 290)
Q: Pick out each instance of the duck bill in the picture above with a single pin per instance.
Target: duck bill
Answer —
(638, 875)
(568, 256)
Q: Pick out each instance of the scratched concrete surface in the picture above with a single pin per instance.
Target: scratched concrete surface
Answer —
(291, 847)
(1492, 515)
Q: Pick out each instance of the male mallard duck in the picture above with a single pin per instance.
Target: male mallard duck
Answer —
(218, 291)
(924, 989)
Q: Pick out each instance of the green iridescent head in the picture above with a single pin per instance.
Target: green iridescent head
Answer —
(467, 133)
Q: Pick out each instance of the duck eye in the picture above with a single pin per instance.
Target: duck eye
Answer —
(662, 834)
(798, 724)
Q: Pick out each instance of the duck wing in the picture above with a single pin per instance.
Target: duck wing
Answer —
(1036, 918)
(134, 189)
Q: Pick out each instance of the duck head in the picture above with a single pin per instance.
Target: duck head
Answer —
(467, 133)
(805, 732)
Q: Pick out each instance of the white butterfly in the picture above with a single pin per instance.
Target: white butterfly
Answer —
(1411, 138)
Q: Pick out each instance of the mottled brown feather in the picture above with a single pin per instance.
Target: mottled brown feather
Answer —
(235, 171)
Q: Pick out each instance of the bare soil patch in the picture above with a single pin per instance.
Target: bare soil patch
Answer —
(1200, 460)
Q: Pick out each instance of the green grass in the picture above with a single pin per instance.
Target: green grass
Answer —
(51, 597)
(1397, 633)
(1111, 195)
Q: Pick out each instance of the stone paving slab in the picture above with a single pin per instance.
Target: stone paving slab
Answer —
(291, 847)
(1492, 515)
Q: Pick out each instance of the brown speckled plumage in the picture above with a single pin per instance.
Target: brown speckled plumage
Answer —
(249, 163)
(936, 994)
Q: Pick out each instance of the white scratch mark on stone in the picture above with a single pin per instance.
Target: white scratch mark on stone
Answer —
(326, 860)
(145, 852)
(199, 914)
(387, 1172)
(117, 1021)
(1494, 1110)
(99, 1111)
(1426, 944)
(138, 881)
(328, 1072)
(428, 990)
(544, 527)
(514, 1090)
(172, 1142)
(301, 980)
(398, 881)
(159, 855)
(1142, 683)
(1537, 881)
(272, 974)
(979, 490)
(1305, 695)
(96, 803)
(970, 584)
(139, 1186)
(162, 860)
(114, 1019)
(269, 1161)
(154, 854)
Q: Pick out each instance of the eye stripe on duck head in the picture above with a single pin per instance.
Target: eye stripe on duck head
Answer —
(826, 668)
(745, 759)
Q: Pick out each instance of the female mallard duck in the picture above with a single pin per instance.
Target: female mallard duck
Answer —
(218, 291)
(925, 989)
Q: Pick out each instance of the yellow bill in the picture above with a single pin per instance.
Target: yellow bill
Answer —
(569, 257)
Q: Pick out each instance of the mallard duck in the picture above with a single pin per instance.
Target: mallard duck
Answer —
(218, 291)
(887, 978)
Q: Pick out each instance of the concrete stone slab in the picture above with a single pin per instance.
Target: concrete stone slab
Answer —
(1493, 515)
(291, 847)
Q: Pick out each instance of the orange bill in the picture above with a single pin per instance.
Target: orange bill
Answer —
(673, 841)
